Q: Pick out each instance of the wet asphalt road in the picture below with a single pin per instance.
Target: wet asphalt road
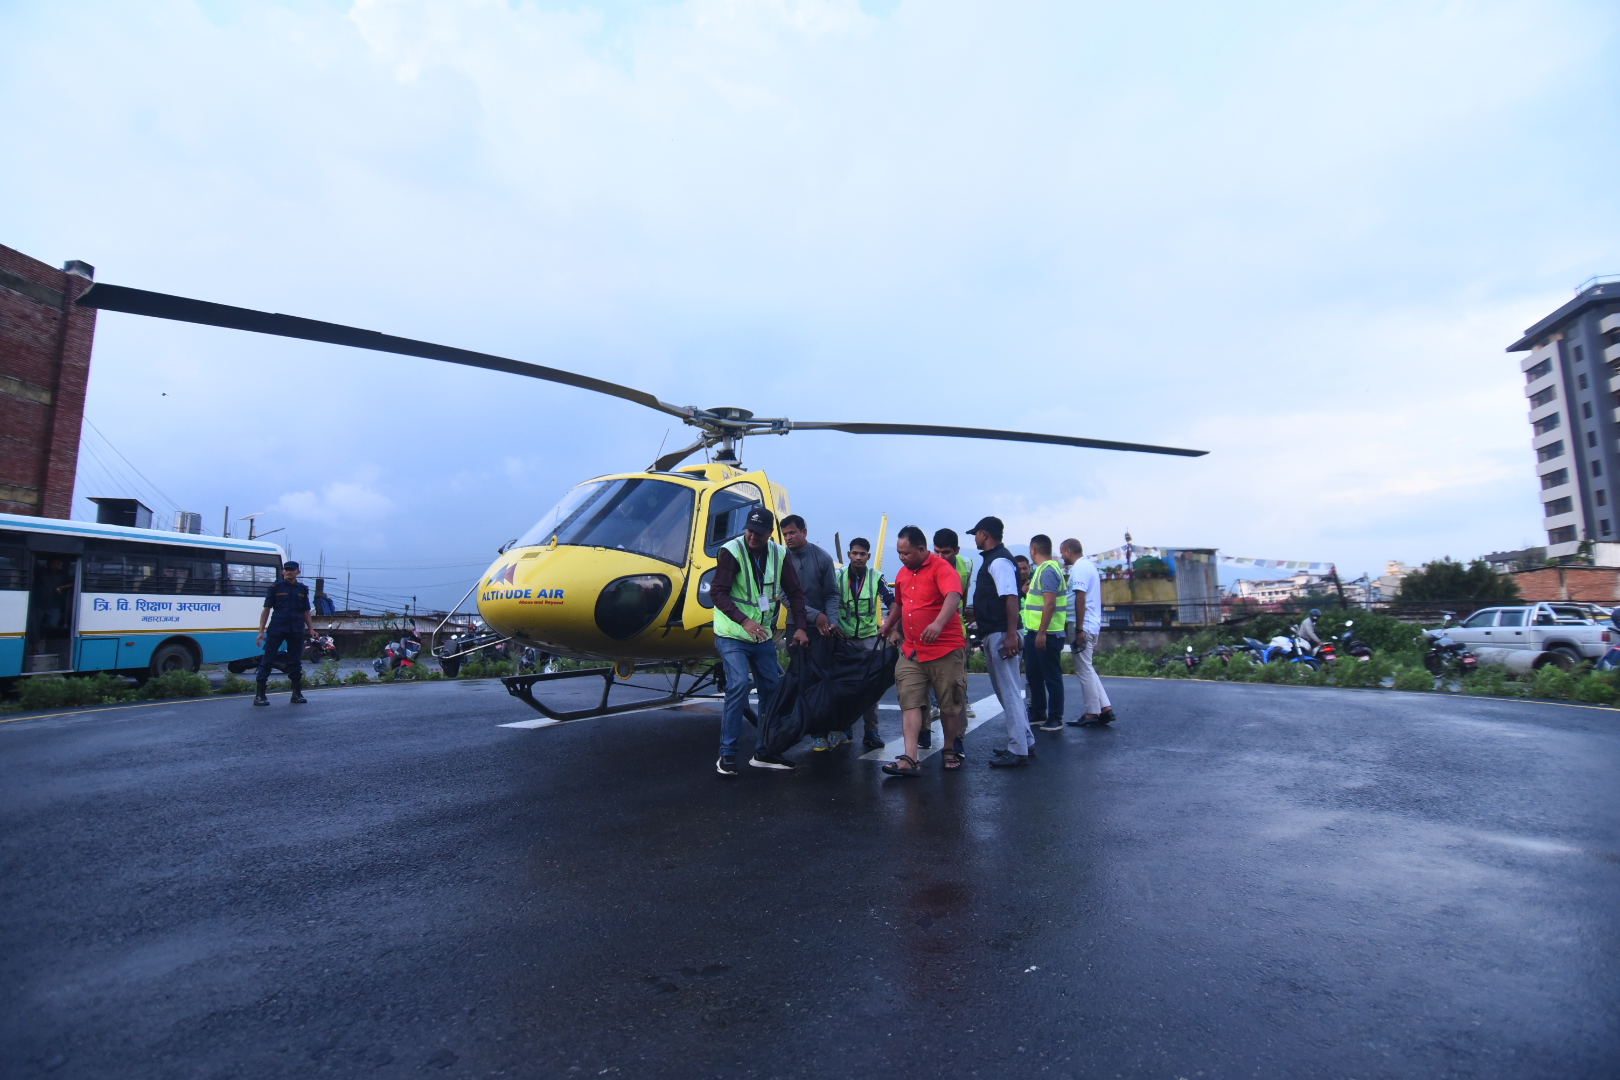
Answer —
(1237, 881)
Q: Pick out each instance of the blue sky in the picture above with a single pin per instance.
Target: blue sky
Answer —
(1298, 236)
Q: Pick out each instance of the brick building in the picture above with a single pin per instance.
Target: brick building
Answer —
(44, 366)
(1592, 584)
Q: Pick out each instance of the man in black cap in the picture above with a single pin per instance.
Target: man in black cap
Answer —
(287, 613)
(752, 573)
(996, 613)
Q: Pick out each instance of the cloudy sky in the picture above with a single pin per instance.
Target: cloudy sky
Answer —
(1296, 235)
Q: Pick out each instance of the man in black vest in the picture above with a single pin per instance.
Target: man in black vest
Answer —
(996, 613)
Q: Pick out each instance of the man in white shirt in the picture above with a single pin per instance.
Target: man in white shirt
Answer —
(996, 615)
(1085, 617)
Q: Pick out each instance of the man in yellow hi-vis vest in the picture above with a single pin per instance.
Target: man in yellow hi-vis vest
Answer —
(751, 576)
(863, 597)
(1045, 611)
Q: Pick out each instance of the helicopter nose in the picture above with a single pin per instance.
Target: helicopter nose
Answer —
(626, 606)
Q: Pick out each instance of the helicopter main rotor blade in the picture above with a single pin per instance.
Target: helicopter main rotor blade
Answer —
(990, 433)
(675, 457)
(181, 309)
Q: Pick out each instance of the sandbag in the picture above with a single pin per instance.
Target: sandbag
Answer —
(827, 686)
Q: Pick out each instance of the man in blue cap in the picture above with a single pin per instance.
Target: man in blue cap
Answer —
(286, 618)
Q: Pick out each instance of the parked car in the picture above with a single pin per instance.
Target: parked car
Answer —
(1567, 632)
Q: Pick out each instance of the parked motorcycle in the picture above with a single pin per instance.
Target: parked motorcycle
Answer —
(1445, 653)
(1352, 645)
(1294, 650)
(320, 648)
(399, 654)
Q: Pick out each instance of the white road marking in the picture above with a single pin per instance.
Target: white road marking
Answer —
(985, 709)
(529, 725)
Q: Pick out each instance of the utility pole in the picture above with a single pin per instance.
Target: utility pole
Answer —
(225, 529)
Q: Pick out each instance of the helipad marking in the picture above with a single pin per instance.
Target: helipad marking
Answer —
(529, 725)
(984, 709)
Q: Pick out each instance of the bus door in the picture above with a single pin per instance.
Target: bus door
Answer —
(52, 604)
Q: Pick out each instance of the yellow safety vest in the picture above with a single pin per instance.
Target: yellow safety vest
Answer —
(755, 598)
(858, 616)
(1035, 600)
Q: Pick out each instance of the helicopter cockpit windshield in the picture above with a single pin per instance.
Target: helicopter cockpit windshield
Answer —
(646, 516)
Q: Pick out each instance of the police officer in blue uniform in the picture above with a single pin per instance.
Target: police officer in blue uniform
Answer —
(287, 613)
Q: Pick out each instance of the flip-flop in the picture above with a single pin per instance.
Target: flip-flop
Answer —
(894, 768)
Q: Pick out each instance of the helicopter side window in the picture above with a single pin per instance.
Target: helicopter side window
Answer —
(646, 516)
(728, 513)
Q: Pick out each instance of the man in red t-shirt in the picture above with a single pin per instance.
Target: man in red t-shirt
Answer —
(923, 622)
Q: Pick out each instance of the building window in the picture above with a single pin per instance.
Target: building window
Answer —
(1603, 526)
(1536, 371)
(1564, 535)
(1547, 423)
(1602, 497)
(1580, 354)
(1556, 478)
(1566, 505)
(1591, 438)
(1597, 468)
(1580, 381)
(1550, 451)
(1541, 397)
(1586, 412)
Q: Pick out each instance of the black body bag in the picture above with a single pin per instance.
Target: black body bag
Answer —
(827, 686)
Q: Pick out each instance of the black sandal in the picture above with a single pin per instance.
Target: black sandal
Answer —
(952, 759)
(894, 768)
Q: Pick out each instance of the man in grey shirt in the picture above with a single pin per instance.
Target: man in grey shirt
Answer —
(819, 580)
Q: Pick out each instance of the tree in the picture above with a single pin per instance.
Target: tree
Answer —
(1448, 580)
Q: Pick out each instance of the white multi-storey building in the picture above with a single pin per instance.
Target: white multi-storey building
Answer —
(1572, 381)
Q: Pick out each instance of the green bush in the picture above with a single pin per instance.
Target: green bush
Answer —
(1492, 681)
(1350, 672)
(357, 677)
(1551, 681)
(1413, 678)
(277, 686)
(177, 684)
(1278, 671)
(234, 684)
(978, 664)
(1594, 688)
(53, 693)
(325, 675)
(1129, 661)
(484, 669)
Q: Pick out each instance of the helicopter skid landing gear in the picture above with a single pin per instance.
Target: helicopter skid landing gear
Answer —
(522, 687)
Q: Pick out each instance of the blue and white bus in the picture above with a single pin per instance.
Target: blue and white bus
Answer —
(81, 597)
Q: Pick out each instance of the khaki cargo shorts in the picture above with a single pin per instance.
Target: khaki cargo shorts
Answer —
(947, 676)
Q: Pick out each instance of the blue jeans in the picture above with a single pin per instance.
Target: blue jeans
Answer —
(1043, 668)
(738, 657)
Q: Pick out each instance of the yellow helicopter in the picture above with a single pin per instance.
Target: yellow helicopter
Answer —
(620, 569)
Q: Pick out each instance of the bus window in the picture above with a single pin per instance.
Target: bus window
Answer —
(196, 577)
(104, 572)
(244, 580)
(13, 570)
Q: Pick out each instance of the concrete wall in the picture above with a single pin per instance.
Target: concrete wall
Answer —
(44, 367)
(1148, 639)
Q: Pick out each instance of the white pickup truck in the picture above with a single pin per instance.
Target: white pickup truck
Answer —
(1568, 633)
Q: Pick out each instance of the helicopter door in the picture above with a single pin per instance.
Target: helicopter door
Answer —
(723, 519)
